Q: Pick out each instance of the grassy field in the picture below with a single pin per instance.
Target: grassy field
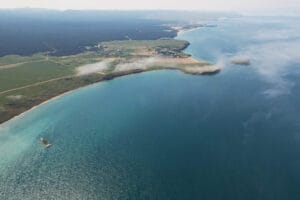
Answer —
(14, 59)
(30, 73)
(29, 81)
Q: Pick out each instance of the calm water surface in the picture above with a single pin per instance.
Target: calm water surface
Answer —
(167, 135)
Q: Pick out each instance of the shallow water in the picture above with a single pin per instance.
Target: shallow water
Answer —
(167, 135)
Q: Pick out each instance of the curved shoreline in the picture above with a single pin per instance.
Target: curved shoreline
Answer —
(34, 107)
(180, 32)
(56, 97)
(205, 69)
(109, 78)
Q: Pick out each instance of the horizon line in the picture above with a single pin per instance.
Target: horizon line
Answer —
(242, 12)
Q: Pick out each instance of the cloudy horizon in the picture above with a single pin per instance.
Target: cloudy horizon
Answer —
(212, 5)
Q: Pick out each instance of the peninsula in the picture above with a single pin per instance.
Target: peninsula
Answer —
(27, 81)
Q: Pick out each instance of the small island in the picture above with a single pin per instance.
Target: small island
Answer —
(26, 81)
(240, 61)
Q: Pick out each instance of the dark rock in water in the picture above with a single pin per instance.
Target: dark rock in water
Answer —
(240, 61)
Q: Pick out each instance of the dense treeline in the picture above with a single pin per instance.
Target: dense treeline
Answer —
(68, 32)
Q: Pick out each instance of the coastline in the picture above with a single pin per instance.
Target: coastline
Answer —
(34, 107)
(205, 70)
(67, 92)
(104, 79)
(183, 31)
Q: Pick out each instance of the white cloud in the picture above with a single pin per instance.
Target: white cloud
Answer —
(92, 68)
(274, 53)
(274, 61)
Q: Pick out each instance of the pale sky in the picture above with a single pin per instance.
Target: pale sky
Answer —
(235, 5)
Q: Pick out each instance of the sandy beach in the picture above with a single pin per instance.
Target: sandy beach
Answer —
(34, 107)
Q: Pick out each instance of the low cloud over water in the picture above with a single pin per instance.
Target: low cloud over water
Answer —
(274, 53)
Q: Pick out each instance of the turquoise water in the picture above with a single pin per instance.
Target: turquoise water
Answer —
(168, 135)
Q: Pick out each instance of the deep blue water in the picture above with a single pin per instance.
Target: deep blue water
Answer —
(168, 135)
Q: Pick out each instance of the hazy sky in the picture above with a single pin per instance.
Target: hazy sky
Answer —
(244, 5)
